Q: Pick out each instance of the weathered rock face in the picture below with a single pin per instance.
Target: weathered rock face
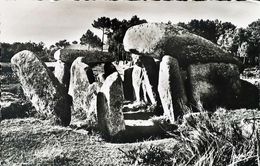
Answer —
(42, 88)
(109, 68)
(100, 77)
(62, 73)
(213, 85)
(86, 115)
(158, 39)
(171, 88)
(137, 78)
(69, 55)
(248, 96)
(83, 95)
(150, 73)
(109, 104)
(128, 84)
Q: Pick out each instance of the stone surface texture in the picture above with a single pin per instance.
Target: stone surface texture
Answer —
(171, 88)
(42, 88)
(159, 39)
(109, 106)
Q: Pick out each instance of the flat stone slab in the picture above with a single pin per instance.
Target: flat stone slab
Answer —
(139, 123)
(158, 39)
(69, 55)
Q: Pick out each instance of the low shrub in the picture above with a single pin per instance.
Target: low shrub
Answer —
(153, 155)
(203, 140)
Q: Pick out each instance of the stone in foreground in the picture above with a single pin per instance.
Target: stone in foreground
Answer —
(158, 39)
(109, 106)
(42, 88)
(171, 88)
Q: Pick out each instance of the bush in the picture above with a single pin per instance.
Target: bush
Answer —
(203, 140)
(152, 155)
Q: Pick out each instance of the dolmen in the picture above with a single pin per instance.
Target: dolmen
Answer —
(172, 70)
(193, 71)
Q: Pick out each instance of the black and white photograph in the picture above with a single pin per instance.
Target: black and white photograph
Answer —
(118, 82)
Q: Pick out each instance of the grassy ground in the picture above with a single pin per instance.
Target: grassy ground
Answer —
(31, 141)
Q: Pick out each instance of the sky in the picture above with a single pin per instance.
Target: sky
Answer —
(50, 21)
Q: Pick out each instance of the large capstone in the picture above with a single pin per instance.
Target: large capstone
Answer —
(109, 106)
(213, 85)
(158, 39)
(82, 93)
(42, 88)
(171, 88)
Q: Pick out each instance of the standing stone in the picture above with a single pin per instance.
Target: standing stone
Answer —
(150, 73)
(128, 84)
(109, 106)
(109, 68)
(82, 94)
(248, 96)
(62, 73)
(171, 88)
(100, 77)
(42, 88)
(213, 85)
(87, 114)
(137, 77)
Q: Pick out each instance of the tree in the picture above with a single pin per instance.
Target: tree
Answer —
(104, 24)
(9, 50)
(208, 29)
(74, 42)
(116, 36)
(62, 43)
(91, 39)
(253, 31)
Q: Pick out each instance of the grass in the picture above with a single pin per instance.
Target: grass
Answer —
(219, 139)
(32, 141)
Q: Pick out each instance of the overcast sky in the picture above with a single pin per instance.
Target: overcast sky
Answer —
(27, 20)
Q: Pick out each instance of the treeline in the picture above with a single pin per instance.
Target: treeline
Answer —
(241, 42)
(46, 54)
